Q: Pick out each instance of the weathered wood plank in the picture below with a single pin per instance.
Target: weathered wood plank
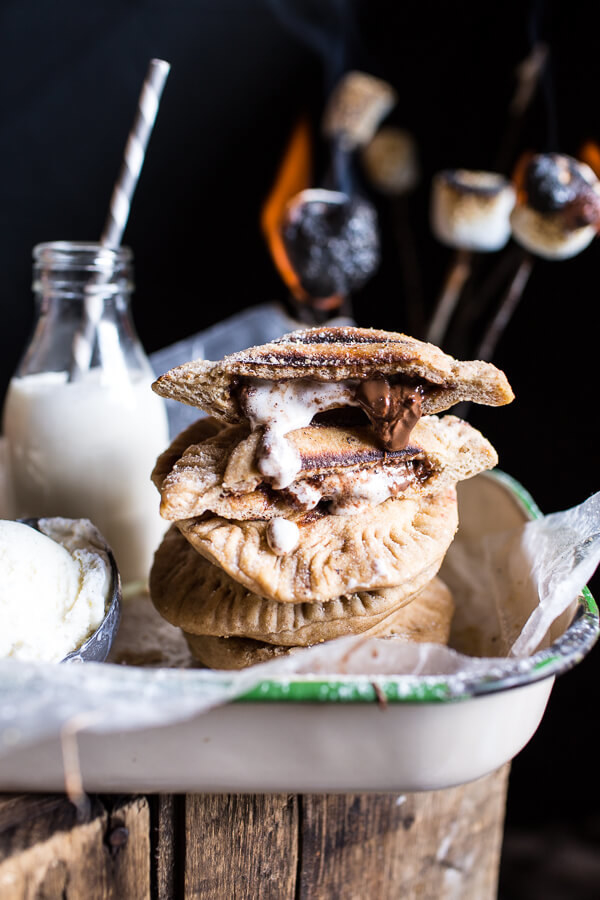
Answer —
(45, 853)
(128, 841)
(169, 844)
(26, 819)
(241, 846)
(440, 845)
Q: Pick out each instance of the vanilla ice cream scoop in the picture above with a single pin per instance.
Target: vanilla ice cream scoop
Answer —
(54, 587)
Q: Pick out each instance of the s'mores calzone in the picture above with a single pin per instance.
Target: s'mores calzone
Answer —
(318, 497)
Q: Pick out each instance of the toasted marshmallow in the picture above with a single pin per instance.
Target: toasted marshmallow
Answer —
(390, 161)
(561, 212)
(546, 235)
(470, 210)
(357, 105)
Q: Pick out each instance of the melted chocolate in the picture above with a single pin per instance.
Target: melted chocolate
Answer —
(393, 409)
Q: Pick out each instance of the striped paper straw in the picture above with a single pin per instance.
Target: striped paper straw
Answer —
(120, 204)
(135, 151)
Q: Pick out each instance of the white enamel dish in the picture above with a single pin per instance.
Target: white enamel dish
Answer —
(312, 735)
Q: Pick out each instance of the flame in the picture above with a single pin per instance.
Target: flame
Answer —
(590, 154)
(518, 175)
(293, 176)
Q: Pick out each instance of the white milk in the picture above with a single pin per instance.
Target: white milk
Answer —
(86, 450)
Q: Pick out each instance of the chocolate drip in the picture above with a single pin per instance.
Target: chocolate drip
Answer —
(393, 409)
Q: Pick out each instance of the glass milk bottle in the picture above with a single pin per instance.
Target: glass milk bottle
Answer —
(82, 424)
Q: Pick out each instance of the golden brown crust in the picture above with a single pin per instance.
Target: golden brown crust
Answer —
(400, 543)
(216, 576)
(201, 598)
(336, 354)
(234, 652)
(195, 433)
(426, 619)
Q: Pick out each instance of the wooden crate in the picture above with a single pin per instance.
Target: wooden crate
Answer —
(439, 845)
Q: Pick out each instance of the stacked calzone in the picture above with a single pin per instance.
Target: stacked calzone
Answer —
(318, 496)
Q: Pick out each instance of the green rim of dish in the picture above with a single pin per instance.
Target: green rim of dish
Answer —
(562, 655)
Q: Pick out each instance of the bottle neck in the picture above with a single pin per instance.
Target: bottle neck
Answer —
(82, 293)
(71, 270)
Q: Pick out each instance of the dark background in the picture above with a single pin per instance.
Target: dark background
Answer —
(242, 71)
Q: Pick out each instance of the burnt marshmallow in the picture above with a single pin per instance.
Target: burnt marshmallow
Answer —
(331, 240)
(560, 213)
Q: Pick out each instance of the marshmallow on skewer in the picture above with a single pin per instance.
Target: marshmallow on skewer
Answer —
(557, 218)
(355, 108)
(390, 161)
(470, 210)
(560, 214)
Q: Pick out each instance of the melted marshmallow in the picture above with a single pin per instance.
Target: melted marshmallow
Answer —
(281, 407)
(282, 536)
(368, 489)
(307, 495)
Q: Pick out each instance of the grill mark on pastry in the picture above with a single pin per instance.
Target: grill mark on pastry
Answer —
(338, 336)
(298, 359)
(325, 459)
(326, 354)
